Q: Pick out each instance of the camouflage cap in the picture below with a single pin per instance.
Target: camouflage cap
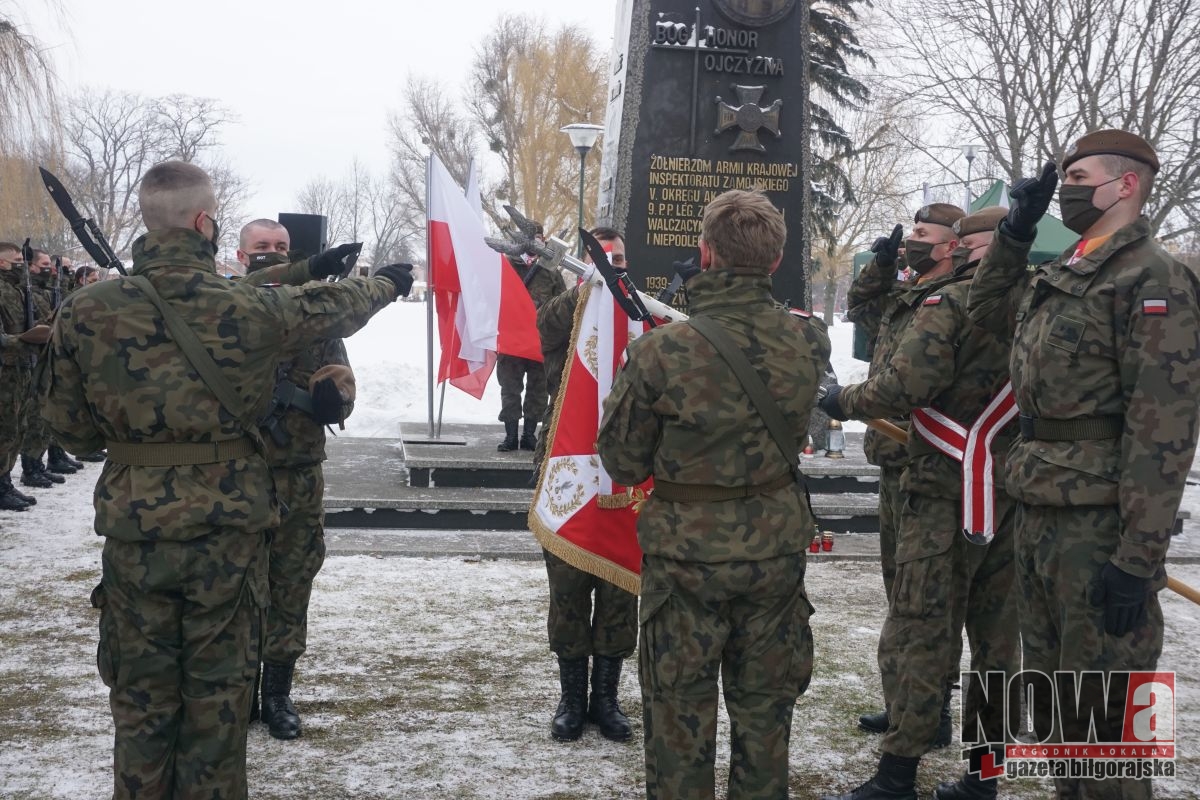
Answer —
(1112, 142)
(983, 220)
(939, 214)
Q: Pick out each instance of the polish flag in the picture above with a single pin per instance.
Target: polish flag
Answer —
(579, 513)
(482, 306)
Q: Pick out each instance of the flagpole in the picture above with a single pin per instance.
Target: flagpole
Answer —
(429, 285)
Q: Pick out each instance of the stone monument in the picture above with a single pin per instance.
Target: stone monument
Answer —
(704, 98)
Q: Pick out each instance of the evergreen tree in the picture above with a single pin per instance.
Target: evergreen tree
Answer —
(833, 44)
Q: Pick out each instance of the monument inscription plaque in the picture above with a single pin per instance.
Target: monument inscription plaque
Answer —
(704, 99)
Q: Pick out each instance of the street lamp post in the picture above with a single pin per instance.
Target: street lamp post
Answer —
(583, 137)
(969, 151)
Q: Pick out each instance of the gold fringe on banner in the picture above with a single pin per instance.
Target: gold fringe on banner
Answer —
(569, 552)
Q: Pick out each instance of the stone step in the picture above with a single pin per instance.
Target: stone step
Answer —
(506, 509)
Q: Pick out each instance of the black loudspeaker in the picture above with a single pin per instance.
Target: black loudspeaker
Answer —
(308, 232)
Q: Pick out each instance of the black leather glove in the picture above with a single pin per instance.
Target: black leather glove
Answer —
(1123, 598)
(887, 248)
(399, 274)
(326, 402)
(332, 261)
(686, 269)
(1028, 200)
(830, 405)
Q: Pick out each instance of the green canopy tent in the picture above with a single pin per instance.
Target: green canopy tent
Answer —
(1053, 237)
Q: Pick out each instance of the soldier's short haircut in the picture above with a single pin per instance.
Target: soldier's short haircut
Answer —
(9, 247)
(173, 193)
(1119, 165)
(36, 253)
(744, 229)
(605, 234)
(268, 224)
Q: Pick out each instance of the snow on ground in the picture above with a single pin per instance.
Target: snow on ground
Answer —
(389, 357)
(430, 678)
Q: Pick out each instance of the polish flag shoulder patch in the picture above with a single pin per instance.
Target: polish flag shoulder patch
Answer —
(1156, 307)
(800, 312)
(932, 300)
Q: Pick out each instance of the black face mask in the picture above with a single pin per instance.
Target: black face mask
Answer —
(263, 260)
(1078, 211)
(919, 256)
(216, 235)
(961, 257)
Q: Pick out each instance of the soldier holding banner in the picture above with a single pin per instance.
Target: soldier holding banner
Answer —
(725, 530)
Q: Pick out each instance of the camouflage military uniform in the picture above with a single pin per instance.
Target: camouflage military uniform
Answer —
(1092, 344)
(184, 578)
(14, 367)
(35, 437)
(943, 581)
(722, 582)
(512, 371)
(875, 302)
(555, 321)
(295, 449)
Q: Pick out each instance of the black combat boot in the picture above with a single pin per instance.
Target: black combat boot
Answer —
(875, 723)
(572, 707)
(896, 779)
(95, 458)
(9, 499)
(970, 786)
(277, 710)
(529, 437)
(33, 473)
(945, 730)
(603, 708)
(7, 485)
(57, 461)
(510, 436)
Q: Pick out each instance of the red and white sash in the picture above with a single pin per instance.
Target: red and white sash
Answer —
(973, 449)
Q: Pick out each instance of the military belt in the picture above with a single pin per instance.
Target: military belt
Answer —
(707, 493)
(1071, 430)
(178, 454)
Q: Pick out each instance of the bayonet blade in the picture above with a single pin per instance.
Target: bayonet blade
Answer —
(85, 230)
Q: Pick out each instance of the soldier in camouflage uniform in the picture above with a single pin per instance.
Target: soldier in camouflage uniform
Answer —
(17, 349)
(1105, 366)
(725, 530)
(884, 307)
(186, 495)
(607, 629)
(312, 389)
(954, 550)
(36, 439)
(512, 371)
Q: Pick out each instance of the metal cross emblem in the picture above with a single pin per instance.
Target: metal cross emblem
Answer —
(749, 117)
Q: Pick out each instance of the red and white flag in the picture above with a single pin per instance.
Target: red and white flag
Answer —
(482, 306)
(579, 514)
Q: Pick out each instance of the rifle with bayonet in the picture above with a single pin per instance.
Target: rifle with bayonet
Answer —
(86, 231)
(554, 254)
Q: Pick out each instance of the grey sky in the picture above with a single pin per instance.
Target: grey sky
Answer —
(311, 81)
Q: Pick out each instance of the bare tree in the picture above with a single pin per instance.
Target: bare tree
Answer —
(877, 168)
(390, 241)
(1028, 77)
(27, 88)
(324, 196)
(527, 83)
(232, 192)
(111, 140)
(429, 122)
(189, 125)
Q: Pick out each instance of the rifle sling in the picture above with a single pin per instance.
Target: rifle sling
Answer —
(194, 351)
(761, 399)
